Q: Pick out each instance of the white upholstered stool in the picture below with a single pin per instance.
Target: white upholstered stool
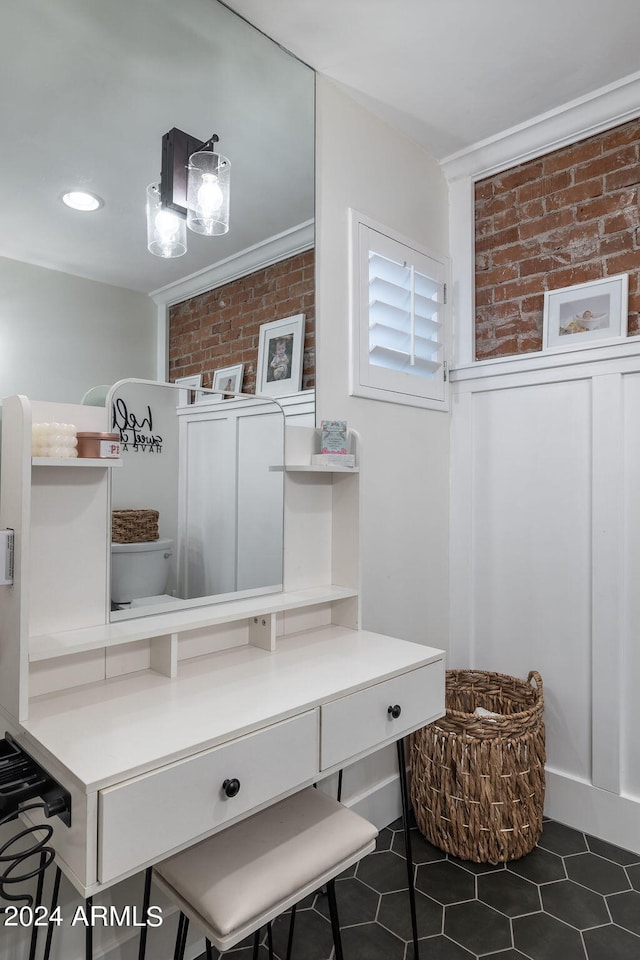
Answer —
(240, 879)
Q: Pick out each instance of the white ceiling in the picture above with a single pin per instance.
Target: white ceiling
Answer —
(89, 87)
(450, 73)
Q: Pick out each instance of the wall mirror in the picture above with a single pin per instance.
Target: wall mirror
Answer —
(213, 471)
(89, 105)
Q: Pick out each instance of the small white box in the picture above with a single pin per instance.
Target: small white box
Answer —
(6, 557)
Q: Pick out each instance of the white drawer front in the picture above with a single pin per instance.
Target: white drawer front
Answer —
(361, 722)
(150, 815)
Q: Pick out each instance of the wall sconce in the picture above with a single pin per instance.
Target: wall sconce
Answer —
(193, 192)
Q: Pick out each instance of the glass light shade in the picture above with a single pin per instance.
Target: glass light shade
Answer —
(208, 193)
(166, 230)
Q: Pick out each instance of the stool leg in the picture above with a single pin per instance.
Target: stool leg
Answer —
(335, 922)
(146, 897)
(270, 941)
(404, 796)
(209, 949)
(256, 944)
(54, 904)
(37, 904)
(88, 937)
(181, 937)
(292, 924)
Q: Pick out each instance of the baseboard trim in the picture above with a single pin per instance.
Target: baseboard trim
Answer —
(598, 812)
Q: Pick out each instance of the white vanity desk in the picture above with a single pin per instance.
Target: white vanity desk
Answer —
(144, 720)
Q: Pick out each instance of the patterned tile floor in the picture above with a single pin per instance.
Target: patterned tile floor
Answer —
(572, 898)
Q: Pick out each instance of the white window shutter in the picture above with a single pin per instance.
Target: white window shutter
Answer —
(399, 325)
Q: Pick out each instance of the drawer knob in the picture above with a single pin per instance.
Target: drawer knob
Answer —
(231, 787)
(395, 711)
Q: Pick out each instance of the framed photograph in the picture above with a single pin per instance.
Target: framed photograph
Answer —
(190, 383)
(280, 352)
(586, 314)
(228, 380)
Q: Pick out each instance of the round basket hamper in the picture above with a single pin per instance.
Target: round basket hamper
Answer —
(477, 782)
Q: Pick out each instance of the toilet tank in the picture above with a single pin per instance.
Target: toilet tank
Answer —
(139, 569)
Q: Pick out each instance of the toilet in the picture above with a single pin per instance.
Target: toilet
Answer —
(139, 570)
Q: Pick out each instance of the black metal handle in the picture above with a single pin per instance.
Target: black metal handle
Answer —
(231, 787)
(395, 711)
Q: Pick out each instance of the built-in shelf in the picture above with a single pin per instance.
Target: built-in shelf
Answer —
(318, 468)
(75, 462)
(50, 646)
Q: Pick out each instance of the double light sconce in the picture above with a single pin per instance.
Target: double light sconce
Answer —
(193, 192)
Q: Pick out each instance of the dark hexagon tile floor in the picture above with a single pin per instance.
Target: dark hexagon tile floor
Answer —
(572, 898)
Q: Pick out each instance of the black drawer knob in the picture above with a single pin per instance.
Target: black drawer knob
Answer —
(395, 711)
(231, 787)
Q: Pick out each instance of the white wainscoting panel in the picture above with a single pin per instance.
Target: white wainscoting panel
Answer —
(545, 566)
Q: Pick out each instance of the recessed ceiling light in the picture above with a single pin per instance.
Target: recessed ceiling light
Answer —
(80, 200)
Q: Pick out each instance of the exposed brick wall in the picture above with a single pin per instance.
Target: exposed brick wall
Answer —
(221, 327)
(562, 219)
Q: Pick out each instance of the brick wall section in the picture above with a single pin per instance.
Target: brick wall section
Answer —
(561, 219)
(222, 327)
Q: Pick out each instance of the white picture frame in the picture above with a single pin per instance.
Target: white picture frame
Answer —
(190, 383)
(586, 314)
(228, 380)
(280, 355)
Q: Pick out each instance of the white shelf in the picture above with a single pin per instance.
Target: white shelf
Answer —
(50, 646)
(318, 468)
(75, 462)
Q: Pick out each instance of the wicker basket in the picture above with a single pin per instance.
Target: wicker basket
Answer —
(477, 783)
(134, 526)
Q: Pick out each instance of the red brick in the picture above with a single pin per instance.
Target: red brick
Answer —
(519, 288)
(505, 347)
(626, 220)
(540, 265)
(516, 177)
(544, 186)
(497, 239)
(616, 243)
(483, 190)
(515, 252)
(626, 133)
(508, 218)
(576, 194)
(568, 157)
(606, 164)
(533, 304)
(551, 221)
(483, 296)
(576, 274)
(491, 278)
(623, 178)
(633, 326)
(608, 204)
(529, 343)
(487, 208)
(623, 263)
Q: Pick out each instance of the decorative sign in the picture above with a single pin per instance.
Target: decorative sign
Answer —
(136, 433)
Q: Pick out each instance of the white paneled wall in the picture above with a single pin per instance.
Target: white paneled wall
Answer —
(545, 562)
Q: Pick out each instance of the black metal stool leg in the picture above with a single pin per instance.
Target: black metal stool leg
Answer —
(181, 937)
(404, 795)
(209, 949)
(88, 936)
(270, 941)
(36, 904)
(54, 904)
(335, 922)
(256, 944)
(146, 898)
(292, 924)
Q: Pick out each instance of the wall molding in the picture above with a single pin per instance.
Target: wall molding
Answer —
(583, 117)
(260, 255)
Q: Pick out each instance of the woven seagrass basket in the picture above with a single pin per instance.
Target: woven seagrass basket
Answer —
(477, 783)
(134, 526)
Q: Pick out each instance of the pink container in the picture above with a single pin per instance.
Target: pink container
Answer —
(99, 446)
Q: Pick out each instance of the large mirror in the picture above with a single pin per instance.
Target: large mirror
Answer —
(91, 88)
(198, 502)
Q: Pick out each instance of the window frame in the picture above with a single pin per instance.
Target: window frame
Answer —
(377, 382)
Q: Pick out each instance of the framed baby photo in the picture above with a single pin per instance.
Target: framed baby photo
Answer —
(586, 314)
(190, 383)
(228, 380)
(280, 353)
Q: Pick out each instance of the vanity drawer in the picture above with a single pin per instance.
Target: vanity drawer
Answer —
(148, 816)
(361, 721)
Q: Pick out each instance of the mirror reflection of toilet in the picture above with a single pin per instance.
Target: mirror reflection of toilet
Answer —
(139, 571)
